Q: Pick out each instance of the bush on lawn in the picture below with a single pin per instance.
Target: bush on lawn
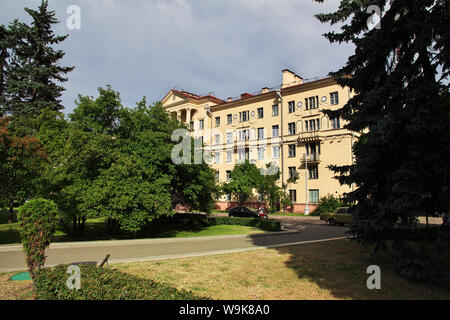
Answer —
(327, 204)
(38, 220)
(202, 221)
(264, 224)
(104, 284)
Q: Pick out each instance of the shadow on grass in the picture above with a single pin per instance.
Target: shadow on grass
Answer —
(340, 266)
(95, 230)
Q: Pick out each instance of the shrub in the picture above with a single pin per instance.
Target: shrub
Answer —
(104, 284)
(327, 204)
(264, 224)
(202, 220)
(38, 220)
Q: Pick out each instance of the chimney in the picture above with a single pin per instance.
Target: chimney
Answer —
(245, 96)
(290, 79)
(265, 90)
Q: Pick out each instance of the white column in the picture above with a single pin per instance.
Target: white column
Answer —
(188, 116)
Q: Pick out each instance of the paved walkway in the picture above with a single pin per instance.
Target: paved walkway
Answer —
(300, 230)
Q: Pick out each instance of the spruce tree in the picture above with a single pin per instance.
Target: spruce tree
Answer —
(34, 72)
(4, 55)
(399, 74)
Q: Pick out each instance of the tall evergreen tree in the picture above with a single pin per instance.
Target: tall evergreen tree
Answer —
(34, 72)
(398, 73)
(4, 55)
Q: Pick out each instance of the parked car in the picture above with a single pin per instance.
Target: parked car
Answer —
(340, 216)
(245, 212)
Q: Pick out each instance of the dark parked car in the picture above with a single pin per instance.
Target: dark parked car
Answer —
(245, 212)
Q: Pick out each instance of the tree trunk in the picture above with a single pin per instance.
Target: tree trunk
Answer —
(74, 226)
(11, 212)
(81, 225)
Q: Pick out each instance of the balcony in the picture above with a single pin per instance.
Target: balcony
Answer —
(312, 158)
(309, 136)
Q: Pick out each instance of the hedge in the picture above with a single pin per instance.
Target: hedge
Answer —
(202, 220)
(264, 224)
(104, 284)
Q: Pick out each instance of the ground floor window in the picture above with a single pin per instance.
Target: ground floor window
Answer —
(314, 196)
(293, 195)
(243, 198)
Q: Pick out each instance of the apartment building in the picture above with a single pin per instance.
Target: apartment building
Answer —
(284, 127)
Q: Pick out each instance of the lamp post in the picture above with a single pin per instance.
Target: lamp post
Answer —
(306, 183)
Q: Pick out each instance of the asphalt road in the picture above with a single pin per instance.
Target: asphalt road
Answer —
(299, 230)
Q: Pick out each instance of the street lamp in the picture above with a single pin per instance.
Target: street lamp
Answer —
(306, 184)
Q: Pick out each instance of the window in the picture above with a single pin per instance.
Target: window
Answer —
(229, 156)
(312, 125)
(217, 176)
(229, 118)
(275, 152)
(191, 125)
(229, 137)
(260, 133)
(292, 151)
(275, 110)
(291, 106)
(217, 139)
(336, 123)
(261, 153)
(244, 116)
(313, 172)
(293, 195)
(228, 175)
(260, 197)
(244, 135)
(312, 102)
(243, 155)
(275, 131)
(314, 196)
(291, 128)
(201, 124)
(243, 198)
(228, 197)
(217, 121)
(313, 148)
(217, 157)
(260, 113)
(292, 172)
(334, 98)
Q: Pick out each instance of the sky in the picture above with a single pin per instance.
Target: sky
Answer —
(220, 47)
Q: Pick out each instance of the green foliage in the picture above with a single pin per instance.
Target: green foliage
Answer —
(399, 73)
(21, 159)
(201, 220)
(327, 204)
(31, 70)
(264, 224)
(104, 284)
(245, 177)
(38, 221)
(113, 162)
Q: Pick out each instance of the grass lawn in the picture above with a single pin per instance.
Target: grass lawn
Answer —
(327, 270)
(334, 270)
(95, 230)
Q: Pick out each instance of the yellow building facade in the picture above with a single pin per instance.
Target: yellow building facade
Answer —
(284, 127)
